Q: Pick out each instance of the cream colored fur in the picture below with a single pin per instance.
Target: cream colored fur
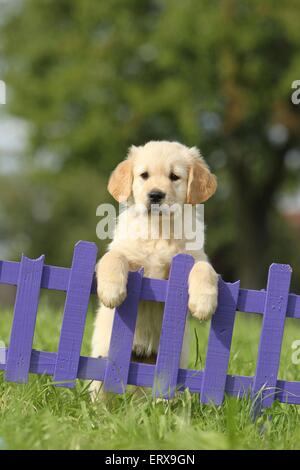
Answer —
(195, 185)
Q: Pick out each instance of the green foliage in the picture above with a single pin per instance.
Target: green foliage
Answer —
(94, 77)
(49, 213)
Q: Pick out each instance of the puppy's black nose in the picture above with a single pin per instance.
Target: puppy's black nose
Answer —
(156, 196)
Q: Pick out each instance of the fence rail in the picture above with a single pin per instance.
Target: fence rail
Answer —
(165, 377)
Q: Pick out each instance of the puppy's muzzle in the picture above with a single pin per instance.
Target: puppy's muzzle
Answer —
(156, 196)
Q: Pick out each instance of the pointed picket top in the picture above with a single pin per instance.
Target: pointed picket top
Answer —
(86, 243)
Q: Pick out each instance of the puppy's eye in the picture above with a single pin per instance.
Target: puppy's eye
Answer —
(145, 175)
(174, 177)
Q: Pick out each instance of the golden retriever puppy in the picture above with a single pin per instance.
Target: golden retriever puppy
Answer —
(163, 173)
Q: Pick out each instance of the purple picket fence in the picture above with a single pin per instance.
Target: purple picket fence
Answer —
(165, 377)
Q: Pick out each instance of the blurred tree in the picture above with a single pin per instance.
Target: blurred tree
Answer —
(94, 77)
(48, 213)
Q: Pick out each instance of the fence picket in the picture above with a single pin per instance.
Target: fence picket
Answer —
(25, 311)
(116, 373)
(173, 326)
(76, 305)
(219, 343)
(264, 385)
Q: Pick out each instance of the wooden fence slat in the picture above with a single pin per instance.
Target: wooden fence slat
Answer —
(264, 385)
(173, 326)
(76, 305)
(120, 349)
(219, 343)
(25, 311)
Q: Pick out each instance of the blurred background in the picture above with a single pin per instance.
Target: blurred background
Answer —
(87, 78)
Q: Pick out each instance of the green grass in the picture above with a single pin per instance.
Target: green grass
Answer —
(40, 416)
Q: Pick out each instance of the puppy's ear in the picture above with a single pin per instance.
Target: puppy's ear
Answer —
(202, 184)
(120, 181)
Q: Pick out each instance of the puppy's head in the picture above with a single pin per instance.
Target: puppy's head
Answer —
(162, 173)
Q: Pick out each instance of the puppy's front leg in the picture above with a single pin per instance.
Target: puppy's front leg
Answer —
(203, 290)
(112, 274)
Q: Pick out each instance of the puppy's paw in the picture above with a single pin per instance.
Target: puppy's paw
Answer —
(112, 274)
(112, 294)
(203, 305)
(203, 291)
